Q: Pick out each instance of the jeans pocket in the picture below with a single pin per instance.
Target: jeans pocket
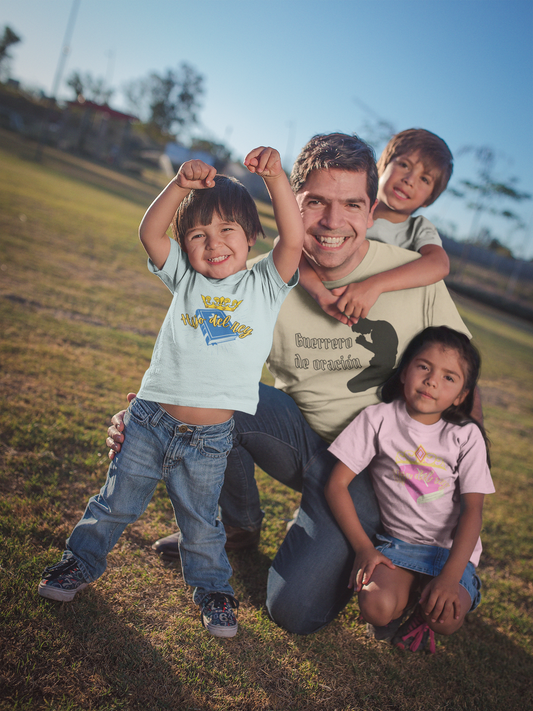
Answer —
(383, 543)
(139, 411)
(215, 446)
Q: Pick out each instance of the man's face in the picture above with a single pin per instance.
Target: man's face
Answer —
(336, 213)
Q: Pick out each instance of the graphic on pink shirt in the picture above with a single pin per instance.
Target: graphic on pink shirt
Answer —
(422, 482)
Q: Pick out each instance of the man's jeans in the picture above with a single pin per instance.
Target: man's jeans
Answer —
(191, 461)
(308, 580)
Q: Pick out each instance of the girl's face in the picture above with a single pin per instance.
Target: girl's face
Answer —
(217, 250)
(432, 382)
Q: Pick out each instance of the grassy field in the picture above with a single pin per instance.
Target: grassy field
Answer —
(79, 313)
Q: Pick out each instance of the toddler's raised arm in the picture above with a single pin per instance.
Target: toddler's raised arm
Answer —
(192, 175)
(266, 162)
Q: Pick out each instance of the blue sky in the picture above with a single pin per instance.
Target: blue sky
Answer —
(278, 72)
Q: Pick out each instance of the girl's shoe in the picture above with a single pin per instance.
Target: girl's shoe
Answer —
(386, 633)
(62, 580)
(415, 634)
(216, 613)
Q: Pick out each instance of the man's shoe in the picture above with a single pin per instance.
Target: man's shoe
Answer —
(168, 548)
(236, 539)
(217, 616)
(62, 580)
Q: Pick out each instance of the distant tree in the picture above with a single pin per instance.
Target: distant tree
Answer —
(375, 129)
(481, 195)
(76, 84)
(8, 38)
(91, 88)
(167, 102)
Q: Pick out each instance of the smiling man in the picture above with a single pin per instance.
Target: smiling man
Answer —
(325, 373)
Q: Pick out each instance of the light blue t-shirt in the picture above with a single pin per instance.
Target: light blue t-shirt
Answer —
(216, 335)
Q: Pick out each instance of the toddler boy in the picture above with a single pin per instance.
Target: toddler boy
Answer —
(206, 364)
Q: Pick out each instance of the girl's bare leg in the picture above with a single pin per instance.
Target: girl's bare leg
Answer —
(386, 596)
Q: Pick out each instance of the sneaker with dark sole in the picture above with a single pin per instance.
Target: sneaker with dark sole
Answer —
(62, 581)
(415, 634)
(386, 633)
(217, 614)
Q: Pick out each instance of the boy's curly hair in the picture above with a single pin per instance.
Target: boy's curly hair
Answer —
(228, 198)
(433, 151)
(336, 150)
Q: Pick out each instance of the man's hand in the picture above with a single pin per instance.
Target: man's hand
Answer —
(366, 560)
(195, 175)
(264, 161)
(440, 600)
(114, 433)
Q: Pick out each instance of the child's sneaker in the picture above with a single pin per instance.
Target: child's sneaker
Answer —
(414, 634)
(216, 613)
(62, 580)
(386, 633)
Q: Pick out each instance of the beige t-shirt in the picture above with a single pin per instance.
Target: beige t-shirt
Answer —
(333, 371)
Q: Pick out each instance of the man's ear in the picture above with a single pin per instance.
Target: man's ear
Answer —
(370, 220)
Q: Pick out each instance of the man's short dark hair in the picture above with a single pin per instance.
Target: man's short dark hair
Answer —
(228, 198)
(340, 151)
(433, 151)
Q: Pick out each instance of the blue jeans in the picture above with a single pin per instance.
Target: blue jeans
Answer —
(308, 581)
(191, 461)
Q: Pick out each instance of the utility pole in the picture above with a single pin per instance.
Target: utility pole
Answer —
(65, 49)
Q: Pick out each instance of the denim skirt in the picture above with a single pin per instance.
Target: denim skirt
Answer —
(427, 560)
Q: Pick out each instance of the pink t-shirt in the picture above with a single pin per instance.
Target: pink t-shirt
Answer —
(418, 471)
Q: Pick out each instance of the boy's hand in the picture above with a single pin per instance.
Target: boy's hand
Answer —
(264, 161)
(327, 300)
(366, 560)
(195, 175)
(356, 300)
(440, 599)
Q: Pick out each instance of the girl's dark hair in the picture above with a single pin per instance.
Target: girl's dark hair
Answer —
(447, 338)
(228, 198)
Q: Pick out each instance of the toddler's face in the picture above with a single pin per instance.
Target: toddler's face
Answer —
(219, 249)
(406, 184)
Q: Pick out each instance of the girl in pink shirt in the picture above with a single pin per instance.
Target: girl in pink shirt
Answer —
(429, 464)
